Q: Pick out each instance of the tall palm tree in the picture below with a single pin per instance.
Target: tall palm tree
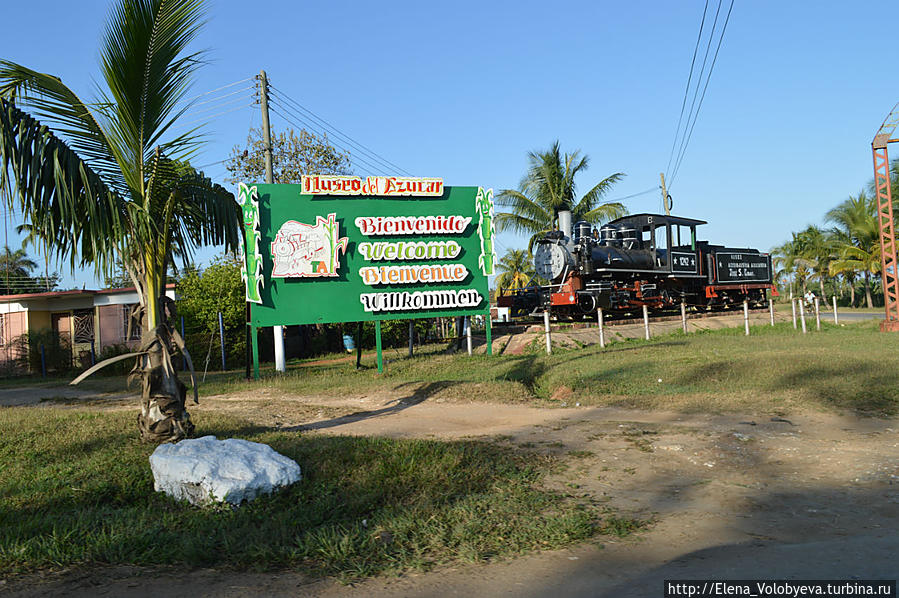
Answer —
(816, 249)
(793, 263)
(548, 188)
(15, 270)
(516, 269)
(857, 244)
(109, 179)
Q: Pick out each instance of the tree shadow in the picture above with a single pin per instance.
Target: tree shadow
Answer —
(418, 396)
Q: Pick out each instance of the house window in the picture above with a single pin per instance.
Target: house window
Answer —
(83, 324)
(127, 317)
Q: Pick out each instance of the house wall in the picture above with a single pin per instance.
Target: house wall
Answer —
(15, 324)
(38, 320)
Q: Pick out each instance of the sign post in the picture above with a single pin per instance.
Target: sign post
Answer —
(345, 249)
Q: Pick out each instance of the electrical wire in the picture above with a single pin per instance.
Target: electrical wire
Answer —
(687, 88)
(702, 97)
(690, 115)
(376, 169)
(371, 153)
(693, 114)
(206, 119)
(377, 166)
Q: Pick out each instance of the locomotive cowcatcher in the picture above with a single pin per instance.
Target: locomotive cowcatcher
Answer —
(642, 259)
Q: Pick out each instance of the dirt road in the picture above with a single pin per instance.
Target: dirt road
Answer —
(806, 496)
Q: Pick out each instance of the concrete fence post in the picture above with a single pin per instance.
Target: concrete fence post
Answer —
(468, 333)
(746, 315)
(549, 343)
(793, 307)
(817, 314)
(771, 310)
(646, 321)
(683, 315)
(802, 314)
(602, 335)
(836, 318)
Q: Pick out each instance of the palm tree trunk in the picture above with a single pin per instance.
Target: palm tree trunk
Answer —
(823, 294)
(163, 416)
(851, 294)
(868, 290)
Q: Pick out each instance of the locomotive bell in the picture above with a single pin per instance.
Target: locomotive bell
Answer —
(552, 260)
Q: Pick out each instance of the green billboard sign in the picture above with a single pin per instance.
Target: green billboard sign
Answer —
(344, 249)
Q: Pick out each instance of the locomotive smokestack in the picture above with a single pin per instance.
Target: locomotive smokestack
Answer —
(565, 223)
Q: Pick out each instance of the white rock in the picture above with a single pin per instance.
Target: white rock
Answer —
(207, 470)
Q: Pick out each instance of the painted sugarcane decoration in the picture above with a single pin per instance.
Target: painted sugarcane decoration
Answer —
(248, 200)
(486, 229)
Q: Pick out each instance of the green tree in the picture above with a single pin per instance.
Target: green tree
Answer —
(15, 274)
(856, 241)
(217, 289)
(548, 188)
(516, 269)
(293, 155)
(113, 182)
(794, 266)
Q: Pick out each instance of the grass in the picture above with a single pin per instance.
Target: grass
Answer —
(76, 489)
(840, 368)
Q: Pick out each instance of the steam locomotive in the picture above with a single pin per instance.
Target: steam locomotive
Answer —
(644, 259)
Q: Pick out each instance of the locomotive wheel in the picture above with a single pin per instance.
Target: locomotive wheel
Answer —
(586, 304)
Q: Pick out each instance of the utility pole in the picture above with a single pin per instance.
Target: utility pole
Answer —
(664, 195)
(280, 364)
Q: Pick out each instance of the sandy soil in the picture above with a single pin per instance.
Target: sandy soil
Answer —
(730, 496)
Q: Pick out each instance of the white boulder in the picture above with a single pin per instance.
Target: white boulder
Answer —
(207, 470)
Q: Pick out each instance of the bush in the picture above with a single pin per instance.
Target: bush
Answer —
(57, 351)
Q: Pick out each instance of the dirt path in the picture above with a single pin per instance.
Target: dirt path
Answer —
(731, 496)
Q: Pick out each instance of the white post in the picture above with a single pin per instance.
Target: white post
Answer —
(646, 321)
(280, 363)
(817, 315)
(793, 306)
(836, 318)
(802, 314)
(602, 336)
(683, 315)
(746, 315)
(468, 333)
(771, 309)
(549, 342)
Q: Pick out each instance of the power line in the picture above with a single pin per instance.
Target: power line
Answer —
(219, 89)
(687, 88)
(375, 168)
(705, 87)
(693, 115)
(371, 153)
(378, 166)
(690, 115)
(650, 190)
(214, 116)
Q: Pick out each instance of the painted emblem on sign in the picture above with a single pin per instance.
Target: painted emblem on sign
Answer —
(308, 250)
(483, 205)
(248, 200)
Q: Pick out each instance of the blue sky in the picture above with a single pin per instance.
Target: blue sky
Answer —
(464, 90)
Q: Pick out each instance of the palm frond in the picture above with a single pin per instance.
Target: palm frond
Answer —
(67, 204)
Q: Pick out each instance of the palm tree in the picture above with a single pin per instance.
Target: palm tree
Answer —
(516, 269)
(857, 240)
(548, 188)
(816, 249)
(790, 258)
(15, 270)
(109, 180)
